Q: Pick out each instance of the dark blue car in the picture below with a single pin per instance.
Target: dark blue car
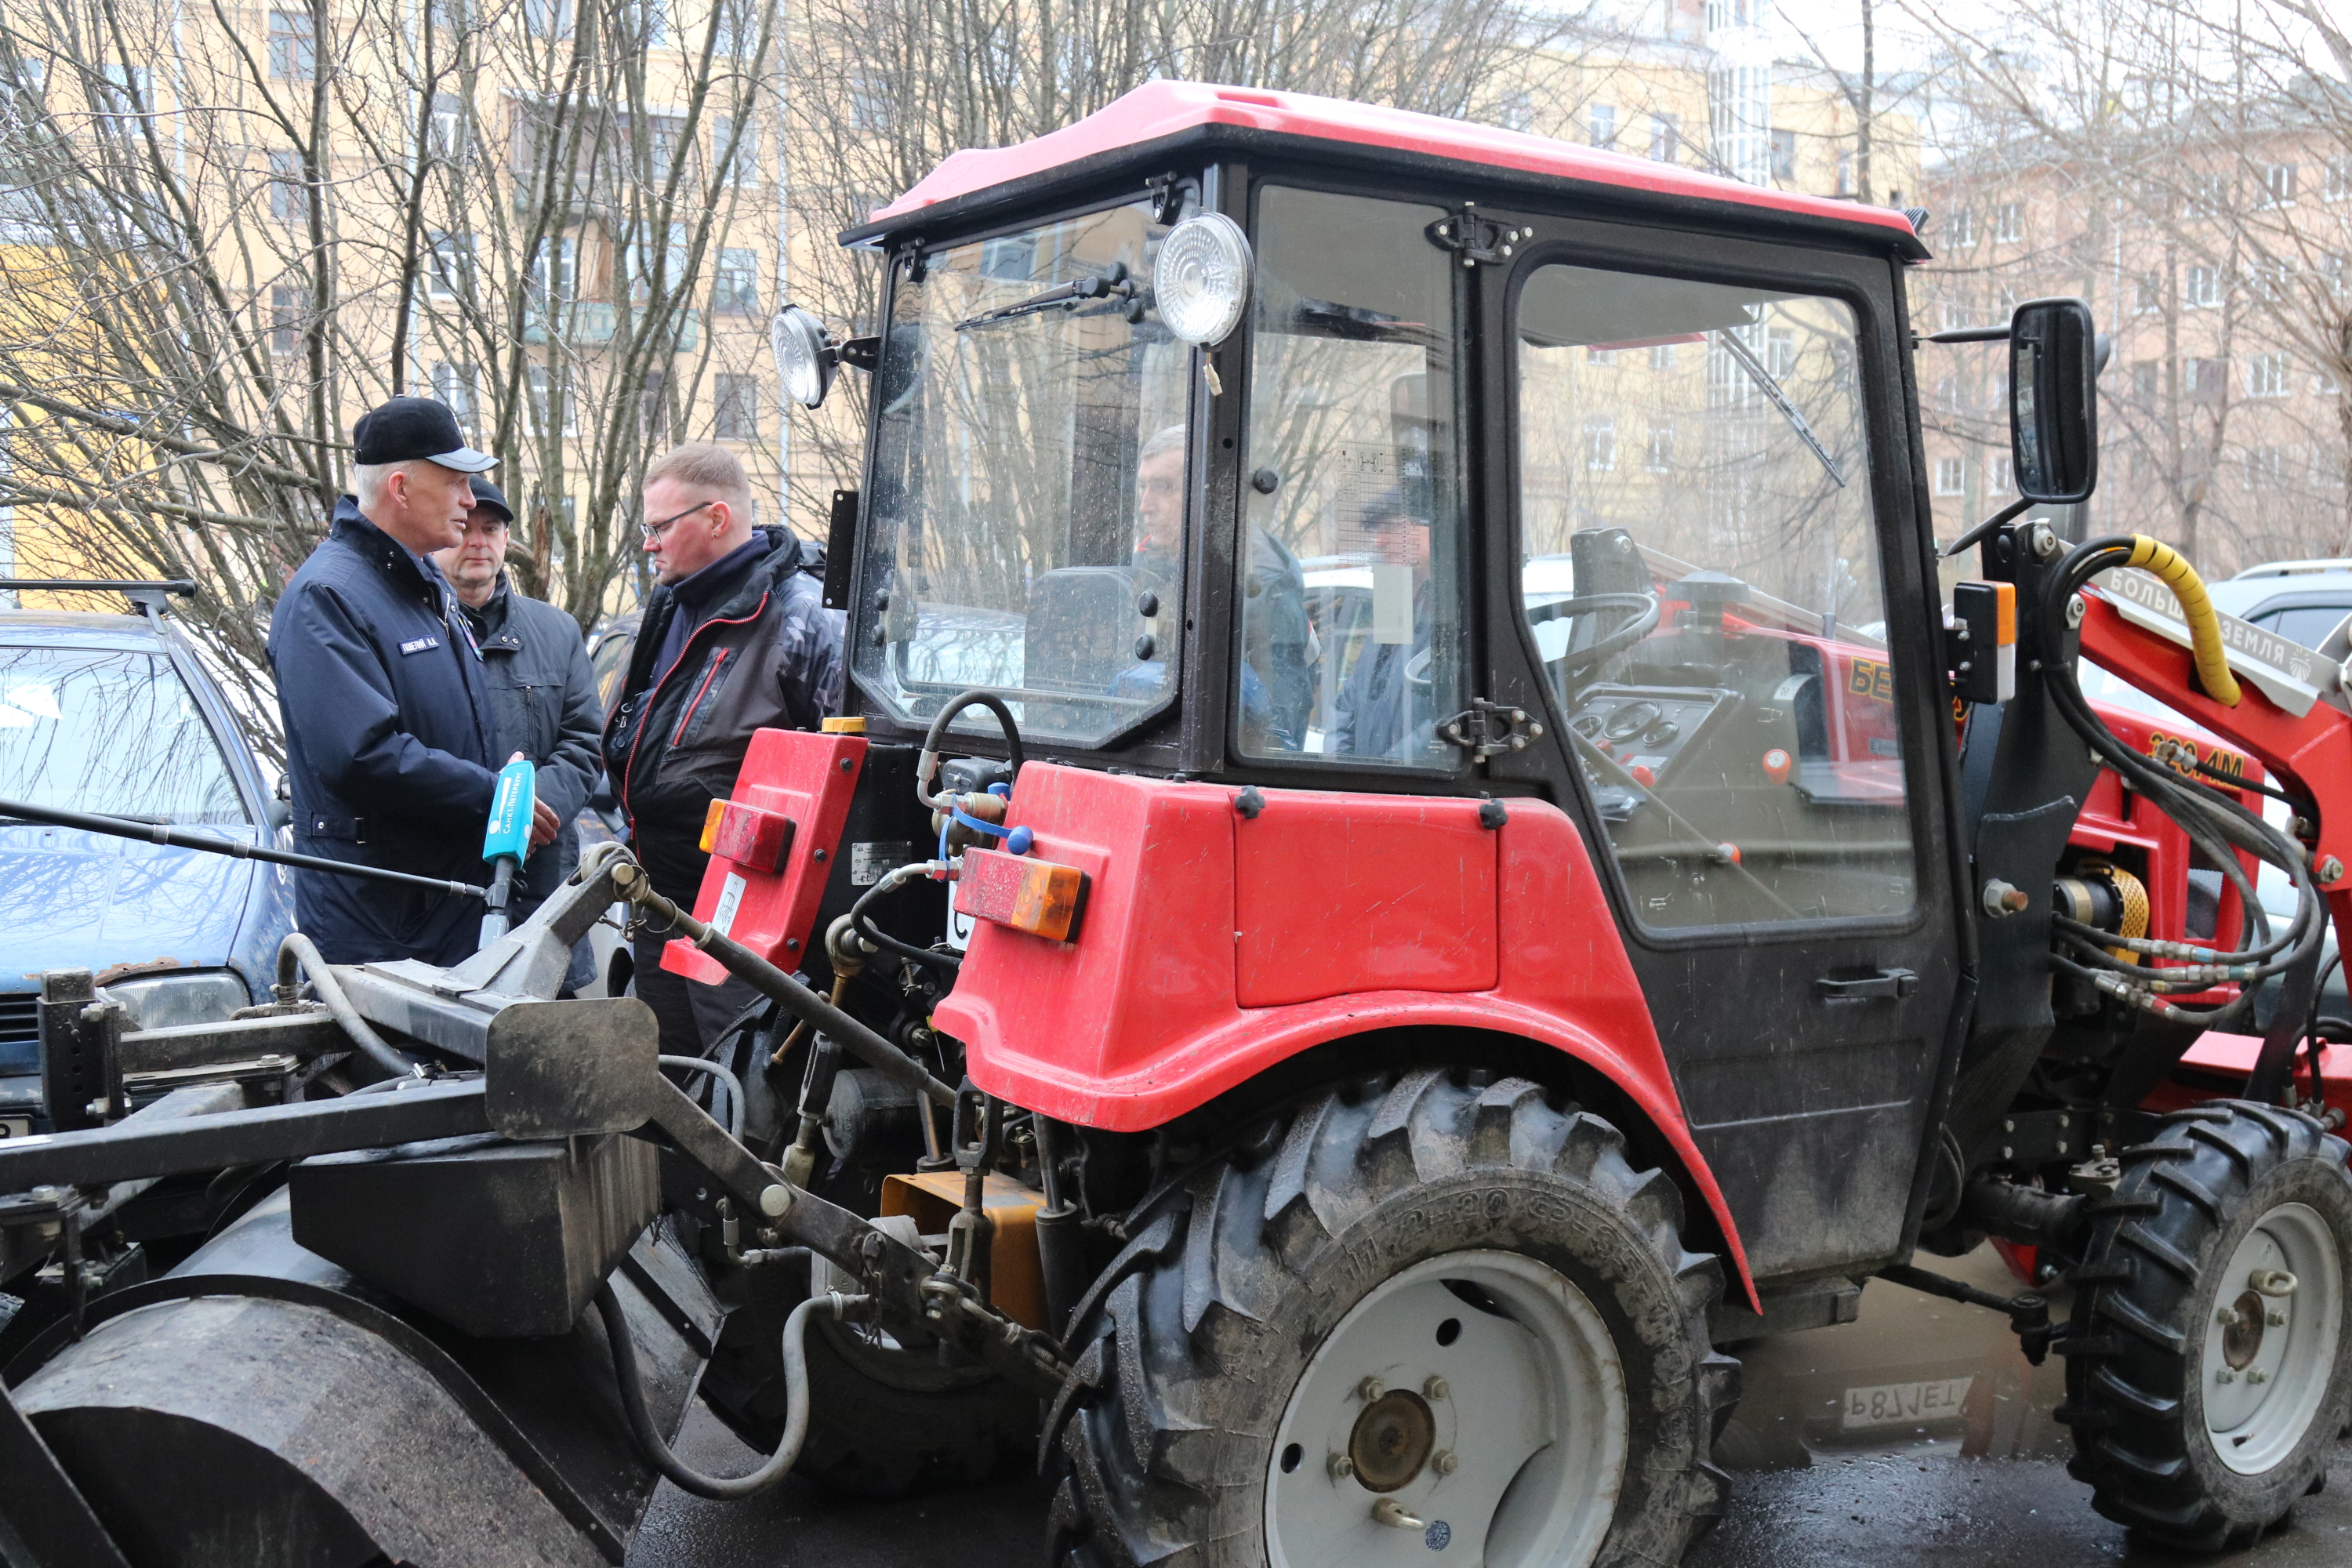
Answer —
(114, 714)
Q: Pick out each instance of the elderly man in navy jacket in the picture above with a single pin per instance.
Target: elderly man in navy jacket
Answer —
(389, 732)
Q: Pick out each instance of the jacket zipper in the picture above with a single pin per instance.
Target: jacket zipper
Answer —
(677, 736)
(629, 764)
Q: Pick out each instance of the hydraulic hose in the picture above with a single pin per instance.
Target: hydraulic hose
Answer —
(658, 1453)
(300, 949)
(927, 765)
(734, 1086)
(2217, 823)
(861, 920)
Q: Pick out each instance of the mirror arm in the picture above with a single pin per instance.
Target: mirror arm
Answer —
(1983, 531)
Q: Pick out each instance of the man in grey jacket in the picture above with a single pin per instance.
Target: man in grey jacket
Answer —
(542, 694)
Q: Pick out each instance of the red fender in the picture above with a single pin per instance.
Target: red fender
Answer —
(1224, 932)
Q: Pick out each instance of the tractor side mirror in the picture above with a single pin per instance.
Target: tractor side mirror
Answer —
(2054, 363)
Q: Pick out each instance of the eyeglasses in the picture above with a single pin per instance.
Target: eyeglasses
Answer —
(654, 530)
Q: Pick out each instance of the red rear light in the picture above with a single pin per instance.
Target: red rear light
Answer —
(1022, 893)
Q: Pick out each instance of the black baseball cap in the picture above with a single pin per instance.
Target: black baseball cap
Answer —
(406, 429)
(490, 497)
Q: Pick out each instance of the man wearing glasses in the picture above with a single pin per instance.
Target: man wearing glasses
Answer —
(735, 638)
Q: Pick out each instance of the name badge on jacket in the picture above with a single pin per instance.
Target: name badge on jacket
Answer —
(420, 644)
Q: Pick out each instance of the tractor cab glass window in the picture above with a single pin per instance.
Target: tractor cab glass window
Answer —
(1701, 577)
(1350, 619)
(1027, 510)
(115, 734)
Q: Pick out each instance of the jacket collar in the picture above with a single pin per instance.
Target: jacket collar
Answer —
(386, 553)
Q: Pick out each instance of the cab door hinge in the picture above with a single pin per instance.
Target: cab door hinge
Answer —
(1489, 729)
(1475, 238)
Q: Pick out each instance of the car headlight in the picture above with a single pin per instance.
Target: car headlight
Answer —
(1201, 279)
(191, 996)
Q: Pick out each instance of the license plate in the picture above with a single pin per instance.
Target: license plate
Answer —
(1904, 1404)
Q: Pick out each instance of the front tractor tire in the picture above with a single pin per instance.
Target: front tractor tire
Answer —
(2205, 1386)
(1415, 1321)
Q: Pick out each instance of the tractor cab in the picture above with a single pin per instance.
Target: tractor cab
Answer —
(1268, 440)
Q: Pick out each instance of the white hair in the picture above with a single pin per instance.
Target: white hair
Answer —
(368, 479)
(1167, 438)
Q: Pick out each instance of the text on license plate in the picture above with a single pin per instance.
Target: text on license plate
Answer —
(1903, 1403)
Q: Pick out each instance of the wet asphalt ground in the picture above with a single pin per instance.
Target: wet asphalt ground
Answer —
(1918, 1436)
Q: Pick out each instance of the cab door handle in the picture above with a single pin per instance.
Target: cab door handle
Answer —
(1889, 983)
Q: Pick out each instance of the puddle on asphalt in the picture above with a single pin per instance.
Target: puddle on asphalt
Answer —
(1915, 1377)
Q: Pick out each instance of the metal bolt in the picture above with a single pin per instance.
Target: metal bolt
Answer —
(2045, 541)
(2258, 1375)
(2076, 608)
(1445, 1461)
(1342, 1467)
(2001, 900)
(2274, 1318)
(1435, 1388)
(2331, 870)
(2064, 1121)
(1372, 1388)
(2227, 1317)
(2007, 1125)
(774, 1200)
(2227, 1375)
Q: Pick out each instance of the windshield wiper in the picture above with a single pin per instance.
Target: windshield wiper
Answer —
(1729, 337)
(1117, 286)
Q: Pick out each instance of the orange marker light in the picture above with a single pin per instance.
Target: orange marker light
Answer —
(1021, 892)
(710, 824)
(1776, 765)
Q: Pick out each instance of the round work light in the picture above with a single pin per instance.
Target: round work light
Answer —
(1203, 278)
(805, 361)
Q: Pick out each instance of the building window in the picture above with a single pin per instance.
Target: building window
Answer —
(652, 408)
(735, 414)
(2278, 186)
(449, 125)
(293, 46)
(2009, 223)
(738, 23)
(552, 386)
(744, 168)
(1600, 119)
(547, 18)
(1665, 139)
(2205, 379)
(555, 278)
(285, 189)
(1662, 356)
(1961, 227)
(2204, 289)
(1780, 352)
(2148, 293)
(735, 282)
(1600, 356)
(1784, 154)
(448, 263)
(1661, 456)
(2147, 380)
(1844, 172)
(2269, 375)
(286, 321)
(2339, 178)
(1947, 392)
(1951, 475)
(1601, 443)
(2268, 465)
(2003, 477)
(452, 385)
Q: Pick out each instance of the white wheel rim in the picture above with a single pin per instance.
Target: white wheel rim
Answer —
(1530, 1407)
(2259, 1405)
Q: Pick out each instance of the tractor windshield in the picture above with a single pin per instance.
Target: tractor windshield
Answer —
(1027, 512)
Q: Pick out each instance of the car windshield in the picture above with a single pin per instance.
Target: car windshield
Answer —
(1026, 517)
(114, 733)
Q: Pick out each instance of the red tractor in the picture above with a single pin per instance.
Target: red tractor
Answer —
(1418, 853)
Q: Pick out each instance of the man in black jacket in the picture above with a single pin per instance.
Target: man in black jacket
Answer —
(542, 694)
(735, 638)
(388, 729)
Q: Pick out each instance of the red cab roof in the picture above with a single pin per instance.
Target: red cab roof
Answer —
(1162, 109)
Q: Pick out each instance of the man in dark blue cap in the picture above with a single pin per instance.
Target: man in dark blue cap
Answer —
(542, 694)
(390, 741)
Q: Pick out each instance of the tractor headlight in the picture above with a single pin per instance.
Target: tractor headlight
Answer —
(804, 359)
(191, 996)
(1201, 279)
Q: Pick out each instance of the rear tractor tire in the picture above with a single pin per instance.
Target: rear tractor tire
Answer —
(2209, 1353)
(1412, 1321)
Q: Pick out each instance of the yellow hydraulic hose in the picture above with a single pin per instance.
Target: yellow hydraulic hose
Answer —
(2197, 608)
